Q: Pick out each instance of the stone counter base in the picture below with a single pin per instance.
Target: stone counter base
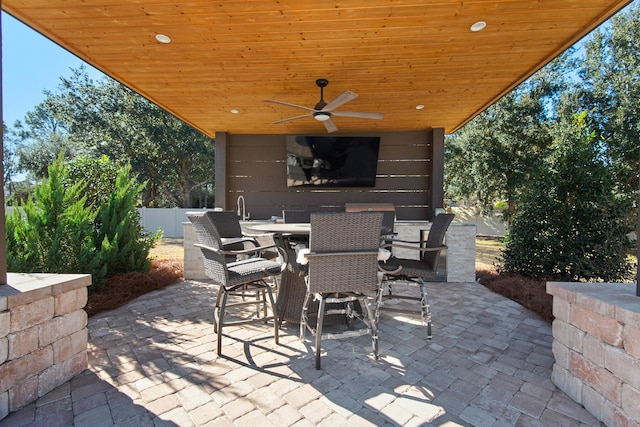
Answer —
(596, 345)
(43, 335)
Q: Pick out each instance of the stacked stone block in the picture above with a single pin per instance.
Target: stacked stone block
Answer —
(43, 335)
(461, 252)
(596, 345)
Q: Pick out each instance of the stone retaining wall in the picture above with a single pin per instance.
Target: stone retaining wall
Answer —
(596, 345)
(43, 335)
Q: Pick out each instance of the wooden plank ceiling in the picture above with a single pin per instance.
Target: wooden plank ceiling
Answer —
(396, 55)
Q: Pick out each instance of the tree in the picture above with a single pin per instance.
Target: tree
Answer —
(611, 95)
(573, 220)
(8, 159)
(98, 174)
(43, 137)
(492, 157)
(85, 118)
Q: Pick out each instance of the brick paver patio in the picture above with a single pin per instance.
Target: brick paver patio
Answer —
(153, 363)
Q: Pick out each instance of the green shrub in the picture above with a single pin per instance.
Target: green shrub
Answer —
(124, 245)
(572, 223)
(62, 232)
(55, 233)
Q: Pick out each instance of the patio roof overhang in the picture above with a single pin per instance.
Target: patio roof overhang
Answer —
(233, 55)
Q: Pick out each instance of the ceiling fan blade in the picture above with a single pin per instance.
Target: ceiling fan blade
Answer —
(339, 100)
(293, 118)
(289, 105)
(330, 126)
(358, 114)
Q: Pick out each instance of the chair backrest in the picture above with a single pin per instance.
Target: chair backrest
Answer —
(228, 225)
(436, 238)
(290, 216)
(215, 265)
(388, 222)
(356, 236)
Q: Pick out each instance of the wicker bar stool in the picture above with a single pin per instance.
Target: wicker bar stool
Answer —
(342, 269)
(242, 280)
(416, 270)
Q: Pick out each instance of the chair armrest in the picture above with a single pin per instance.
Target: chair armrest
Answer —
(393, 237)
(238, 252)
(412, 247)
(231, 240)
(341, 253)
(256, 235)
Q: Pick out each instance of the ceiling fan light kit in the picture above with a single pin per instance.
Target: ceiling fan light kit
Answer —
(321, 116)
(323, 111)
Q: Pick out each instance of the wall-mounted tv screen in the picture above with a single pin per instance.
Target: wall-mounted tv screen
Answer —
(332, 161)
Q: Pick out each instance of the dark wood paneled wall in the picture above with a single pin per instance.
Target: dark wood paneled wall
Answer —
(410, 168)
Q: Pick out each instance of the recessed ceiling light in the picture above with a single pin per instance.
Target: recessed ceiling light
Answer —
(163, 38)
(234, 111)
(419, 107)
(478, 26)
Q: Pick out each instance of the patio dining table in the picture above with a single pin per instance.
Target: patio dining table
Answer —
(292, 287)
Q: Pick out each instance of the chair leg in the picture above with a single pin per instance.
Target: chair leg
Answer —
(221, 321)
(216, 310)
(349, 309)
(319, 330)
(376, 314)
(265, 314)
(373, 324)
(303, 317)
(425, 309)
(276, 317)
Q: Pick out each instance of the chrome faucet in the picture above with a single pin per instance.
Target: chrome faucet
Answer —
(242, 211)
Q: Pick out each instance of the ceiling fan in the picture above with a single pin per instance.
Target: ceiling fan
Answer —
(323, 111)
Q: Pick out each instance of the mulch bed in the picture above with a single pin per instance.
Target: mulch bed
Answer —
(529, 293)
(123, 288)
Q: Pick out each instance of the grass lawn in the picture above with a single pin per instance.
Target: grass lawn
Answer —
(488, 250)
(169, 248)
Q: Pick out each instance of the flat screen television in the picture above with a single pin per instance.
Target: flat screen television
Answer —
(332, 161)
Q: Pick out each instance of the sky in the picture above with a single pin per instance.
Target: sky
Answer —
(31, 64)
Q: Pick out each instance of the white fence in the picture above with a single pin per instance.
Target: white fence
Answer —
(485, 225)
(170, 220)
